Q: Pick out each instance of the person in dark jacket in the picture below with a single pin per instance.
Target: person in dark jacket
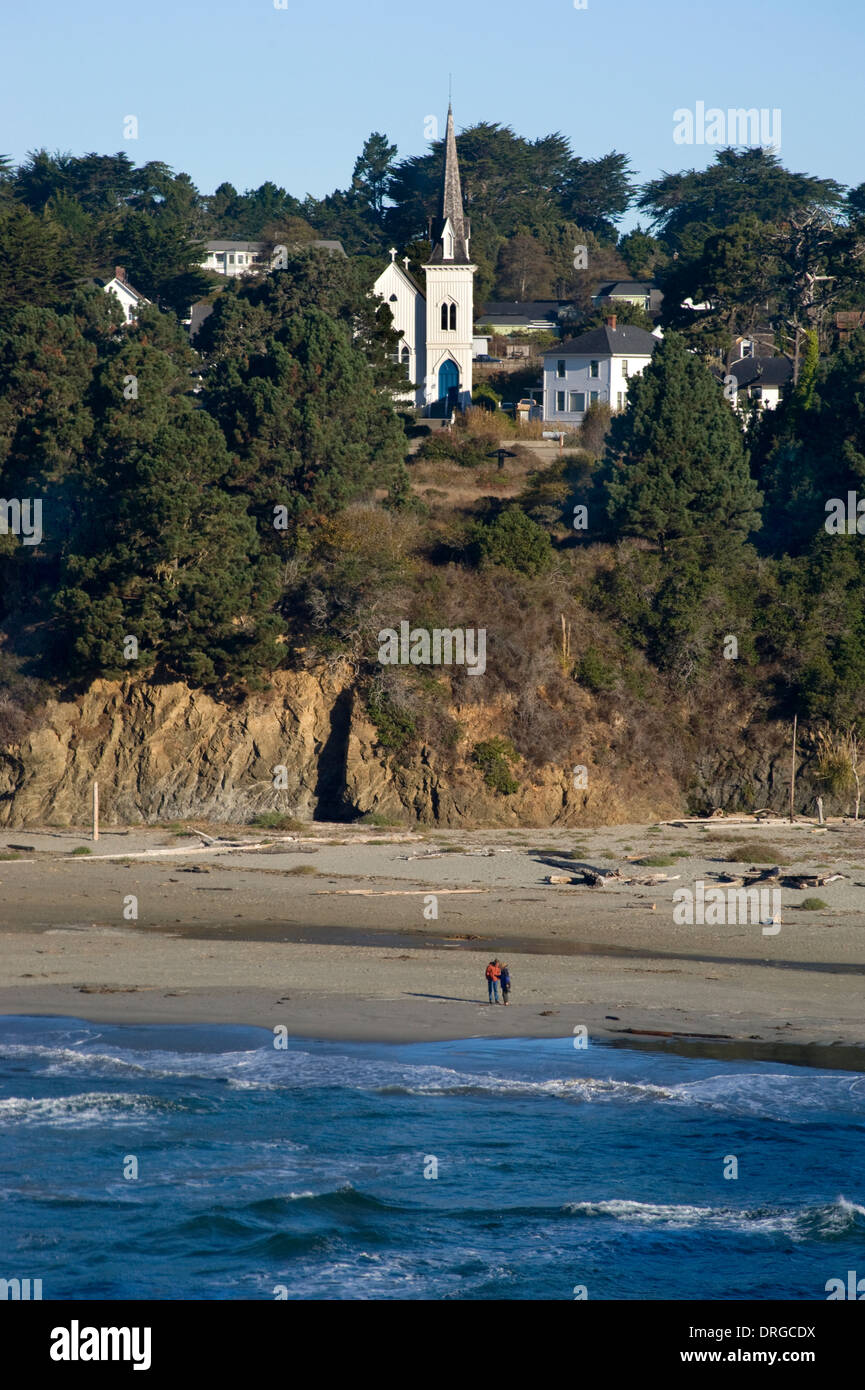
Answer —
(505, 982)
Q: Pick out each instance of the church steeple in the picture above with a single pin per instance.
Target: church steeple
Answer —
(451, 231)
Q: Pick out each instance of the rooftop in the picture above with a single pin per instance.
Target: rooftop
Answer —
(606, 341)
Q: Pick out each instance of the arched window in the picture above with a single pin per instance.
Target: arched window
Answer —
(406, 361)
(453, 317)
(444, 316)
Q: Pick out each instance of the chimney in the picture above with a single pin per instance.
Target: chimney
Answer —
(611, 321)
(119, 272)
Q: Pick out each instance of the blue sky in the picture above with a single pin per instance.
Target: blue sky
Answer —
(240, 90)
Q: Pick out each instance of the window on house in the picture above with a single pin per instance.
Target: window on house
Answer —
(594, 369)
(624, 366)
(593, 397)
(405, 357)
(392, 299)
(454, 317)
(560, 401)
(231, 259)
(621, 400)
(576, 401)
(560, 367)
(444, 316)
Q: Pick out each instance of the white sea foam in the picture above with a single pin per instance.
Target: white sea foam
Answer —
(836, 1218)
(93, 1107)
(785, 1096)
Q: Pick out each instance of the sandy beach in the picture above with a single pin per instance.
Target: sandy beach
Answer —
(327, 935)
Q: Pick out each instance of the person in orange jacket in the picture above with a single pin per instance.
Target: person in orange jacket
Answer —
(493, 972)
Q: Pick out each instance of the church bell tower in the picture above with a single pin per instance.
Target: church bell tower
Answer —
(449, 296)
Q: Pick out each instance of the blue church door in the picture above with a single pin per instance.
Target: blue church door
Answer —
(449, 384)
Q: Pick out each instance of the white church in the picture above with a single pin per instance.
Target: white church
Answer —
(435, 327)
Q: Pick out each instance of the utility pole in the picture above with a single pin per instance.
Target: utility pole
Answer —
(793, 768)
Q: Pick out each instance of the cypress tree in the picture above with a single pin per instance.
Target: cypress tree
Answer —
(676, 470)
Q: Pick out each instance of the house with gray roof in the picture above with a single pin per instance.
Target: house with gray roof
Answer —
(593, 368)
(643, 293)
(760, 379)
(522, 316)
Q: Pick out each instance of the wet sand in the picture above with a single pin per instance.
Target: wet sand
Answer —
(332, 940)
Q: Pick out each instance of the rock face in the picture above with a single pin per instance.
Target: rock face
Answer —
(167, 752)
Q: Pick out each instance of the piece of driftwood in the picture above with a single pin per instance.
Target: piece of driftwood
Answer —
(755, 875)
(592, 878)
(802, 881)
(737, 823)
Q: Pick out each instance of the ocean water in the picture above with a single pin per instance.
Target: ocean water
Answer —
(301, 1172)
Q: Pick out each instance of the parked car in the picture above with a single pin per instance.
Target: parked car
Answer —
(525, 404)
(508, 406)
(490, 361)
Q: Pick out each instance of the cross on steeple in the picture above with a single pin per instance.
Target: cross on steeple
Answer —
(392, 254)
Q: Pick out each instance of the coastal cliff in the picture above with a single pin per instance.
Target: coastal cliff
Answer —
(307, 747)
(164, 752)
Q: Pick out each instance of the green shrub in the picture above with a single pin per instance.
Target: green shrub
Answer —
(812, 905)
(275, 820)
(484, 396)
(494, 757)
(516, 542)
(595, 672)
(758, 852)
(395, 727)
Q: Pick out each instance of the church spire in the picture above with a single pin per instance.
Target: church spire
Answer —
(451, 233)
(452, 197)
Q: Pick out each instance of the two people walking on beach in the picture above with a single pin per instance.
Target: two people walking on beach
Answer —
(498, 975)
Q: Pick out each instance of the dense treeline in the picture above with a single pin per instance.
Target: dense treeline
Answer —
(217, 512)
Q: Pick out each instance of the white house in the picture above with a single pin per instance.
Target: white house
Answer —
(760, 379)
(435, 327)
(130, 298)
(594, 367)
(642, 293)
(233, 257)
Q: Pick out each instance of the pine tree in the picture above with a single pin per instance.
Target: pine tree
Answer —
(305, 421)
(161, 551)
(676, 468)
